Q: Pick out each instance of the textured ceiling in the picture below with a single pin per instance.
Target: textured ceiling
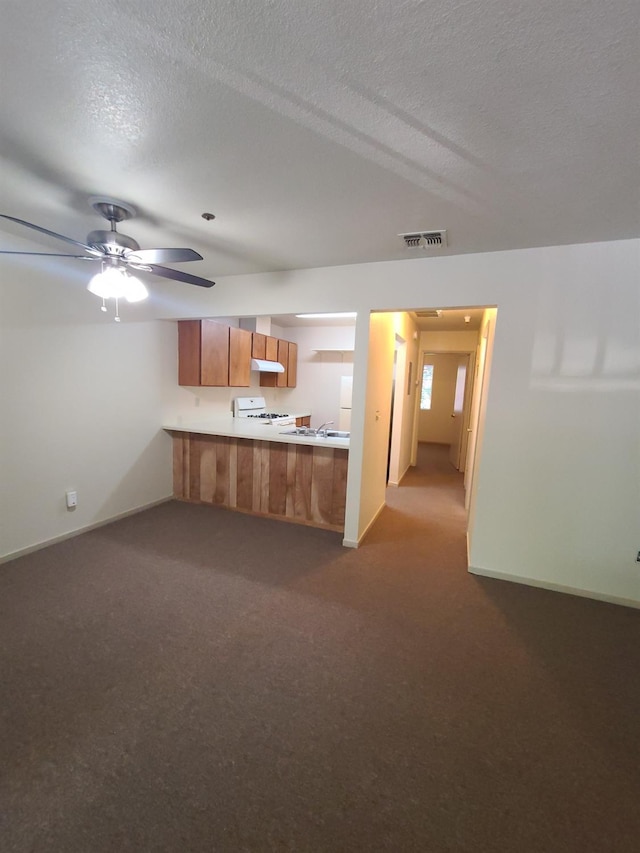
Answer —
(316, 132)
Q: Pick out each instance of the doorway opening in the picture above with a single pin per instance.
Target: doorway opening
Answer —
(444, 402)
(438, 385)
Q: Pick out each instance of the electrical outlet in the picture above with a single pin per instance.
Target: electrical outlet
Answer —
(72, 499)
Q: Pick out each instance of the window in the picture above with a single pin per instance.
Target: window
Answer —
(427, 382)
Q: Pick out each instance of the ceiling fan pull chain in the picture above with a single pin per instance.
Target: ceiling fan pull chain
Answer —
(117, 317)
(104, 305)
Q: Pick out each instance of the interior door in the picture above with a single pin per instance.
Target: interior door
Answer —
(458, 433)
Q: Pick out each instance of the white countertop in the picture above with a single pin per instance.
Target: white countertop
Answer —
(252, 428)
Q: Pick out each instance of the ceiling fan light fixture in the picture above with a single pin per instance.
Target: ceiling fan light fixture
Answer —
(107, 284)
(115, 283)
(135, 291)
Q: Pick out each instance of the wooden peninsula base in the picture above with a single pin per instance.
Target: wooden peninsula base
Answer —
(298, 482)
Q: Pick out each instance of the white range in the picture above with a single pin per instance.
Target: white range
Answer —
(255, 407)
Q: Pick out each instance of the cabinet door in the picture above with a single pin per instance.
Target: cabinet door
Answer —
(214, 342)
(271, 348)
(239, 357)
(272, 353)
(189, 352)
(283, 358)
(292, 366)
(258, 345)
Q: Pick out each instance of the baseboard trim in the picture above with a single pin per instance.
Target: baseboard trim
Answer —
(355, 543)
(556, 587)
(30, 549)
(401, 478)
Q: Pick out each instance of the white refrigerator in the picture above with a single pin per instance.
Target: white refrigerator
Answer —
(346, 390)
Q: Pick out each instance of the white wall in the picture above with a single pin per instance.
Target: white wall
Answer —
(407, 386)
(377, 417)
(477, 415)
(448, 341)
(318, 388)
(558, 485)
(81, 409)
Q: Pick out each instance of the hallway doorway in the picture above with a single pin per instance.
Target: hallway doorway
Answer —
(444, 410)
(385, 387)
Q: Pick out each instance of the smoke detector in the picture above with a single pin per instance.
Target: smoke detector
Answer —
(425, 239)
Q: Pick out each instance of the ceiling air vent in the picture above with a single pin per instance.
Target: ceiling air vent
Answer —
(430, 314)
(425, 239)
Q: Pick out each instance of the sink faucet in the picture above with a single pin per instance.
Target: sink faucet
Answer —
(323, 426)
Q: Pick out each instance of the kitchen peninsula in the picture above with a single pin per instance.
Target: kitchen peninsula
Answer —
(254, 467)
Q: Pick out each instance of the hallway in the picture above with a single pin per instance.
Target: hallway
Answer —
(429, 505)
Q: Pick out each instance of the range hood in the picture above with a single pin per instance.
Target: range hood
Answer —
(263, 366)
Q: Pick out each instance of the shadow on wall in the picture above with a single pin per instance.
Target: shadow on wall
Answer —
(150, 478)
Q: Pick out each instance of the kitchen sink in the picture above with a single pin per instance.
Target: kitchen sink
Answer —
(311, 433)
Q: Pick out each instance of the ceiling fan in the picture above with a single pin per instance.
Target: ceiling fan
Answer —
(118, 254)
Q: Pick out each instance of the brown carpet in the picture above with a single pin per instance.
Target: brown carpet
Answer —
(191, 679)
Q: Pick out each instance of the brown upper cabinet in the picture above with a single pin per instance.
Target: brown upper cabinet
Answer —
(266, 347)
(286, 352)
(239, 358)
(189, 349)
(283, 358)
(203, 353)
(258, 345)
(210, 353)
(292, 365)
(271, 348)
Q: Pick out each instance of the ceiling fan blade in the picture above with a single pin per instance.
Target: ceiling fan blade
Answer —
(95, 252)
(178, 275)
(49, 255)
(162, 256)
